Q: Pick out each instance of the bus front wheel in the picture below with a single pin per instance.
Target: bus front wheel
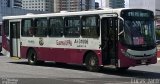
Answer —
(92, 62)
(32, 57)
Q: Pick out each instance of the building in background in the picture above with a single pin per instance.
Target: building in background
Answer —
(150, 5)
(13, 7)
(146, 4)
(73, 5)
(11, 3)
(66, 5)
(39, 5)
(96, 5)
(89, 4)
(15, 11)
(114, 3)
(4, 3)
(15, 3)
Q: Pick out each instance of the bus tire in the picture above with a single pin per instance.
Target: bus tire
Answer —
(32, 57)
(92, 62)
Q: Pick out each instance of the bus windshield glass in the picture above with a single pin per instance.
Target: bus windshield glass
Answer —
(139, 32)
(138, 28)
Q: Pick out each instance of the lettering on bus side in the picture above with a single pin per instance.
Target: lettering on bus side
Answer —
(81, 42)
(31, 41)
(64, 43)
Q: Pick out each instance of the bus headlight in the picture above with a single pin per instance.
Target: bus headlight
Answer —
(126, 53)
(140, 56)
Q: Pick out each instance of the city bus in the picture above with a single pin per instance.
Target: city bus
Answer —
(119, 38)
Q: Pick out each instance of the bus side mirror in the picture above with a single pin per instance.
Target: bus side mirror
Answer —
(157, 42)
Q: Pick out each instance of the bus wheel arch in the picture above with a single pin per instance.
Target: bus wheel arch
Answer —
(31, 56)
(91, 61)
(85, 55)
(36, 60)
(28, 50)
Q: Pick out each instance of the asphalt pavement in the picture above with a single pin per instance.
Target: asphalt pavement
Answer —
(17, 71)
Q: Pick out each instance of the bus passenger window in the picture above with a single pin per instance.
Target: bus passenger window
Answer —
(31, 31)
(72, 26)
(27, 27)
(90, 26)
(56, 27)
(41, 27)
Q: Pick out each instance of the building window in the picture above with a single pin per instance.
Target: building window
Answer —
(41, 27)
(90, 26)
(72, 26)
(56, 27)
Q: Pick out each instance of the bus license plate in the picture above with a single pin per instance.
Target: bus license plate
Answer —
(143, 61)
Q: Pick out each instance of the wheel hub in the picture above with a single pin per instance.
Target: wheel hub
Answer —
(92, 62)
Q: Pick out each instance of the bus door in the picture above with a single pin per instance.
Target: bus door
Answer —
(109, 40)
(15, 38)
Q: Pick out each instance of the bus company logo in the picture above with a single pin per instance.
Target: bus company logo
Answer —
(64, 43)
(41, 42)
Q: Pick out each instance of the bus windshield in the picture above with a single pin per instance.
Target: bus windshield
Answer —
(139, 32)
(138, 27)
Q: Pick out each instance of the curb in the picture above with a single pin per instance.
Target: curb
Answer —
(15, 58)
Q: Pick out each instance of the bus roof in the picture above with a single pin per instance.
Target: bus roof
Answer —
(30, 15)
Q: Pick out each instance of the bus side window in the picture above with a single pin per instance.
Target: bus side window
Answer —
(90, 26)
(41, 27)
(56, 27)
(72, 26)
(31, 31)
(27, 27)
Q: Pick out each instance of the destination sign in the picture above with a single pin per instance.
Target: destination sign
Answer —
(137, 13)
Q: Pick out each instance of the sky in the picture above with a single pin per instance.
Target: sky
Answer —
(126, 2)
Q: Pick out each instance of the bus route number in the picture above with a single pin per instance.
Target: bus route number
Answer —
(81, 42)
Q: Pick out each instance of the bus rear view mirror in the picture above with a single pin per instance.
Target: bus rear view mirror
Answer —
(157, 42)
